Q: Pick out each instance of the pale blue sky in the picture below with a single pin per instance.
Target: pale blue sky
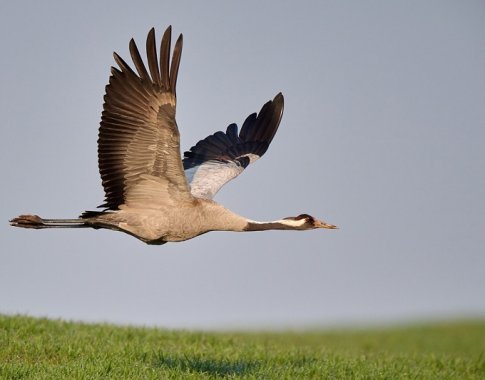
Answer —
(383, 134)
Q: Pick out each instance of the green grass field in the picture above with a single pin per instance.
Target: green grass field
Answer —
(33, 348)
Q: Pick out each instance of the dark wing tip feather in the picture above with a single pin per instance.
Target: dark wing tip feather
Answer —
(151, 50)
(165, 57)
(174, 68)
(123, 65)
(137, 60)
(254, 137)
(263, 126)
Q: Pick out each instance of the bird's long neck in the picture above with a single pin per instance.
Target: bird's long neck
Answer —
(281, 224)
(219, 218)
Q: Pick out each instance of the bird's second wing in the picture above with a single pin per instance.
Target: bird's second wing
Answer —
(220, 157)
(139, 142)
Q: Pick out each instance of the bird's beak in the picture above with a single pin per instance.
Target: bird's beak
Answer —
(321, 224)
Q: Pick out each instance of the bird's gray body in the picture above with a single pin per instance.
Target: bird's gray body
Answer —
(171, 224)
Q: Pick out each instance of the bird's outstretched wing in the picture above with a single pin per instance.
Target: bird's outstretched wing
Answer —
(220, 157)
(139, 142)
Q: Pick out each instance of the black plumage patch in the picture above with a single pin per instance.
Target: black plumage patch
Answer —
(255, 135)
(307, 217)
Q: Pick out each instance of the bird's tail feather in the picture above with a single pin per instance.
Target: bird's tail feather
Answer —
(34, 221)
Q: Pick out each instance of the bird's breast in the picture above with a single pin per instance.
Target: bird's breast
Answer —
(169, 225)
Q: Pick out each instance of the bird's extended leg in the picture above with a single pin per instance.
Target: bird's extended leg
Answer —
(36, 222)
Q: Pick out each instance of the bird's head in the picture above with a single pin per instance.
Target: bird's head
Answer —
(307, 222)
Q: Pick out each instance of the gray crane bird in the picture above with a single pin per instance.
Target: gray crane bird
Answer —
(151, 193)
